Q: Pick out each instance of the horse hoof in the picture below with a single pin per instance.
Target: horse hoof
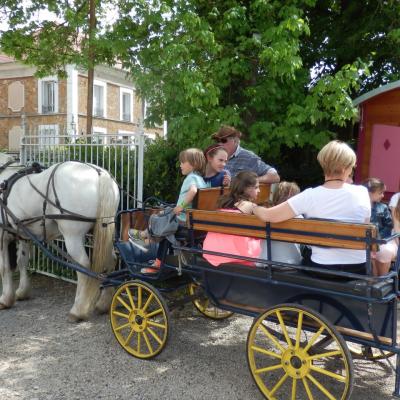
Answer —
(3, 306)
(76, 318)
(23, 297)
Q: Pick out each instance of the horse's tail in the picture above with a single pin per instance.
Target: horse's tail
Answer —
(104, 228)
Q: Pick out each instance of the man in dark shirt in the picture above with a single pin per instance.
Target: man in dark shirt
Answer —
(240, 159)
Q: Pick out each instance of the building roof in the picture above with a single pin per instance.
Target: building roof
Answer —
(376, 92)
(5, 59)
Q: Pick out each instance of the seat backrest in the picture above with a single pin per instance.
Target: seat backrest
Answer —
(207, 199)
(135, 219)
(317, 232)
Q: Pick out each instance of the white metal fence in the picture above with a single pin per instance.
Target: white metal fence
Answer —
(122, 156)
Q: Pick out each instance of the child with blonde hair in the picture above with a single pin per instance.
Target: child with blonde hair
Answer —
(192, 164)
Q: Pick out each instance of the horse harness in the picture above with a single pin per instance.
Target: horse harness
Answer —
(6, 213)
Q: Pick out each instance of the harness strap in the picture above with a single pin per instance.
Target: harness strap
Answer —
(59, 207)
(4, 166)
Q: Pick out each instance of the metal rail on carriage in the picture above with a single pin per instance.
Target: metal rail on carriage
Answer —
(306, 329)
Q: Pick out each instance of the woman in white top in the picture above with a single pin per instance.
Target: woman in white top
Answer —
(335, 199)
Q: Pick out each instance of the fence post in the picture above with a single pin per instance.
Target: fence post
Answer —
(140, 163)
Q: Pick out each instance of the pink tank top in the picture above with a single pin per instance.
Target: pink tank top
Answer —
(231, 244)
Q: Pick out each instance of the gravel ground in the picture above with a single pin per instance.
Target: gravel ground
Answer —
(45, 357)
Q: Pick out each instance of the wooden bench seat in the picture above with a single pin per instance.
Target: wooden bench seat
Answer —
(317, 232)
(207, 199)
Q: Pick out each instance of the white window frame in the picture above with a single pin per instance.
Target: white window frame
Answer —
(40, 94)
(50, 140)
(104, 86)
(99, 132)
(123, 91)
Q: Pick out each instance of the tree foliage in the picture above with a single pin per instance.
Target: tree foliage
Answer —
(283, 72)
(58, 39)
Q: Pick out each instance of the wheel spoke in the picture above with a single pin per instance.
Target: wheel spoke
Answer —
(122, 327)
(120, 314)
(266, 352)
(148, 302)
(146, 339)
(314, 338)
(323, 389)
(294, 388)
(279, 384)
(153, 313)
(128, 292)
(152, 333)
(156, 324)
(284, 330)
(270, 336)
(324, 355)
(267, 369)
(338, 377)
(139, 306)
(119, 298)
(138, 341)
(298, 333)
(309, 394)
(129, 337)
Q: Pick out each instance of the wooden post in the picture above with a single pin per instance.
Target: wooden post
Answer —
(92, 26)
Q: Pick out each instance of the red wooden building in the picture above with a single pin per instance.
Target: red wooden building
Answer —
(378, 152)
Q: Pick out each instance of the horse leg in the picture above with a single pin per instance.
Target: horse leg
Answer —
(106, 294)
(87, 291)
(24, 287)
(7, 298)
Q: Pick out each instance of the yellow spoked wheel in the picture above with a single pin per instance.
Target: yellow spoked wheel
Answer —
(204, 305)
(139, 319)
(367, 352)
(288, 361)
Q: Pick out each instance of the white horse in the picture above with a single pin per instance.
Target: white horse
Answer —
(70, 188)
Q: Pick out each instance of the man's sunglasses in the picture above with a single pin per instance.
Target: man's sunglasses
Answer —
(224, 140)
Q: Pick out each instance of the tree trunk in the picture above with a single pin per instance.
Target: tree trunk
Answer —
(92, 25)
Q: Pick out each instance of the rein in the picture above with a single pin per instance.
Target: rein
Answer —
(21, 224)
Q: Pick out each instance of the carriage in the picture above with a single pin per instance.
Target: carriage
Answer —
(306, 329)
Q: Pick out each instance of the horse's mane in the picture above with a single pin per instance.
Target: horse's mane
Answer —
(4, 158)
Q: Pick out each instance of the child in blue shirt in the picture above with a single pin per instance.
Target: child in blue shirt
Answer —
(216, 174)
(192, 164)
(382, 218)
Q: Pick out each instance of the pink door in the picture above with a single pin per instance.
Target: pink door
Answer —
(385, 155)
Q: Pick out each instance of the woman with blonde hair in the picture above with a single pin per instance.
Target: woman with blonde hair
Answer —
(334, 199)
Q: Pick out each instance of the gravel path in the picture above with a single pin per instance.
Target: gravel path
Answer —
(44, 357)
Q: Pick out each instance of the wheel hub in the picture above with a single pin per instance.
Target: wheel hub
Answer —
(295, 363)
(138, 320)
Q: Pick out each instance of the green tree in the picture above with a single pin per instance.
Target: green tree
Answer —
(71, 34)
(284, 72)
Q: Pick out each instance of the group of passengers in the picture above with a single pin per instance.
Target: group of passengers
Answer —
(337, 198)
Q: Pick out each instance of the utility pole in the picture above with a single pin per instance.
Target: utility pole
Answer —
(91, 54)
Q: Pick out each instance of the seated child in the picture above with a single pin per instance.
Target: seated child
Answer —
(282, 251)
(382, 218)
(244, 186)
(192, 164)
(216, 175)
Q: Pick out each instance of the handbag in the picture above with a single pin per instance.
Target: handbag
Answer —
(164, 225)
